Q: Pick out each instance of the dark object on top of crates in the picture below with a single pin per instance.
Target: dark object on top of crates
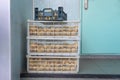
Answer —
(48, 14)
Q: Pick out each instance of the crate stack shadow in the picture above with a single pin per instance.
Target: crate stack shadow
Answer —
(53, 46)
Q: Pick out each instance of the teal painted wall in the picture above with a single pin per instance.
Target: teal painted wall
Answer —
(101, 28)
(100, 24)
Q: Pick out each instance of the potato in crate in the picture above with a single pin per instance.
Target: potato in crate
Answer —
(53, 46)
(53, 28)
(33, 30)
(51, 64)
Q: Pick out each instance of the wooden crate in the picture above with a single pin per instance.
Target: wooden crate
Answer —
(53, 47)
(53, 28)
(51, 64)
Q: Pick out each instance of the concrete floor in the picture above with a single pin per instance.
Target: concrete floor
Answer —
(64, 79)
(100, 66)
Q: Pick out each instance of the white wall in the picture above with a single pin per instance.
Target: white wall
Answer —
(71, 7)
(4, 39)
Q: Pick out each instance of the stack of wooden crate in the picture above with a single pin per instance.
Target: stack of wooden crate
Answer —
(53, 46)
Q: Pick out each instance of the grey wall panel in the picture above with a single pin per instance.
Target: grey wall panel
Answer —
(19, 16)
(15, 39)
(4, 40)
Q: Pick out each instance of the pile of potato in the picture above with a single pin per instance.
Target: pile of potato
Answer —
(52, 64)
(53, 31)
(54, 48)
